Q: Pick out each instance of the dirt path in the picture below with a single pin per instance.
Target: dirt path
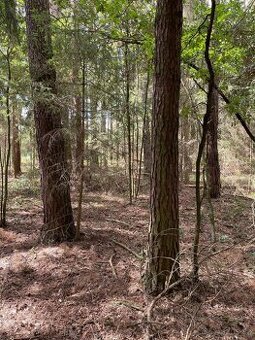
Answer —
(92, 290)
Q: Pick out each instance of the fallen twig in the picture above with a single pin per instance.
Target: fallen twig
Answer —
(152, 305)
(32, 337)
(192, 323)
(112, 266)
(139, 257)
(207, 257)
(118, 222)
(129, 305)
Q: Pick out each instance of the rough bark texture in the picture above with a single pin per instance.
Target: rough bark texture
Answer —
(146, 130)
(147, 146)
(213, 166)
(129, 123)
(16, 154)
(163, 249)
(58, 216)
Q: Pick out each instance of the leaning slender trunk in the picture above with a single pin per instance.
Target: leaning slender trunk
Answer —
(145, 148)
(6, 153)
(81, 159)
(94, 154)
(206, 121)
(103, 130)
(129, 127)
(128, 120)
(213, 166)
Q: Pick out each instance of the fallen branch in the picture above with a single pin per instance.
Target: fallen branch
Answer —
(192, 323)
(112, 266)
(227, 101)
(209, 256)
(129, 305)
(154, 301)
(29, 337)
(118, 222)
(139, 257)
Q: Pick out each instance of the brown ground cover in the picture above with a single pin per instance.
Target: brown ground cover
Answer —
(92, 289)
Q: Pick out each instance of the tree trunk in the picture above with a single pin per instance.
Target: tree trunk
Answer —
(78, 135)
(81, 160)
(146, 130)
(77, 99)
(202, 144)
(111, 138)
(163, 248)
(147, 146)
(5, 151)
(187, 163)
(103, 131)
(16, 154)
(213, 166)
(51, 143)
(94, 154)
(68, 140)
(129, 123)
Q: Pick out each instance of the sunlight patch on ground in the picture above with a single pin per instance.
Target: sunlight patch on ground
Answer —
(24, 319)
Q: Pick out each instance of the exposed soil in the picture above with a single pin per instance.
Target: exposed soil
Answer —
(92, 289)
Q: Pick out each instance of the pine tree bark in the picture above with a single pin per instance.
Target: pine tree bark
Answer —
(16, 154)
(146, 130)
(51, 143)
(213, 166)
(163, 247)
(147, 146)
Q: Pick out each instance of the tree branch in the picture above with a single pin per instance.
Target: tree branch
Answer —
(227, 101)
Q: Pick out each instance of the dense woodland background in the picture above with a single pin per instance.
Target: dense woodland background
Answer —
(116, 115)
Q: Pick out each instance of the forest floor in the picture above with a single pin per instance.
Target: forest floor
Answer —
(91, 289)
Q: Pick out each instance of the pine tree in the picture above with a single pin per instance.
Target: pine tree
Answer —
(51, 143)
(163, 247)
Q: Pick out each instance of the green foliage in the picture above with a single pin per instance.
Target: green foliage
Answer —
(8, 19)
(228, 49)
(96, 32)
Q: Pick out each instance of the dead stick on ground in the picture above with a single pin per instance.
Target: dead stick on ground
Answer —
(139, 257)
(129, 305)
(209, 256)
(27, 338)
(209, 301)
(192, 323)
(118, 222)
(112, 266)
(154, 301)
